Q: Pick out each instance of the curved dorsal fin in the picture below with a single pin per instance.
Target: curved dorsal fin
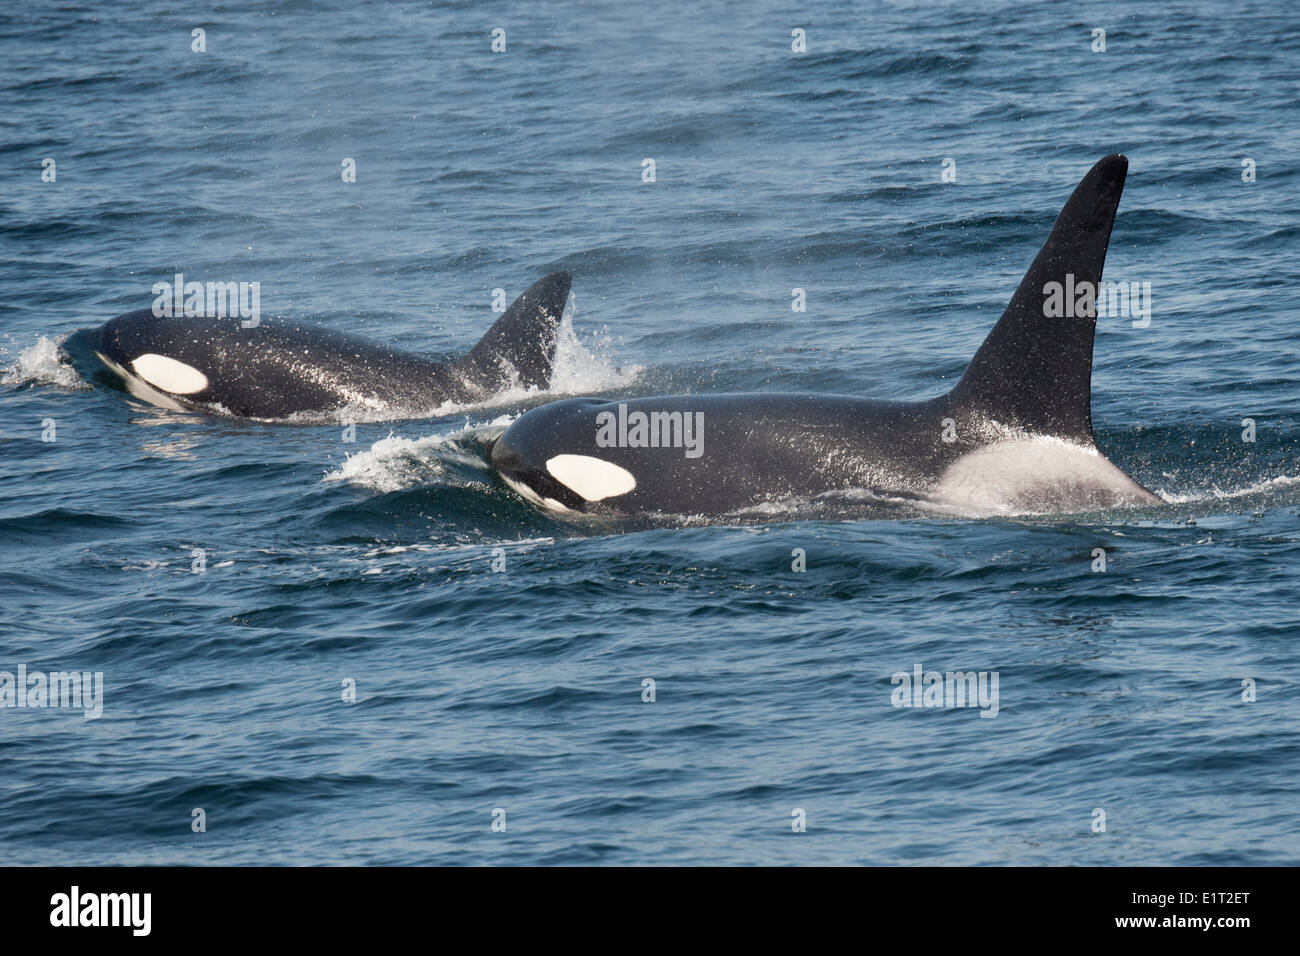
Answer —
(1035, 371)
(524, 336)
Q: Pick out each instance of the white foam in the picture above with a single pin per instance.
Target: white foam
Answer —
(1218, 494)
(394, 463)
(43, 364)
(578, 369)
(1035, 474)
(582, 370)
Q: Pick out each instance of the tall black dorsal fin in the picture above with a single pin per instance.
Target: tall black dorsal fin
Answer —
(1035, 371)
(524, 336)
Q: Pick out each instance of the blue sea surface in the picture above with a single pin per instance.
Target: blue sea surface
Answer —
(232, 580)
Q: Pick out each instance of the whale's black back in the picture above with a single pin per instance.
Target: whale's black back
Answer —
(278, 368)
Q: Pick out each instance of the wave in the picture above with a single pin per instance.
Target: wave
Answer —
(395, 463)
(43, 363)
(1267, 487)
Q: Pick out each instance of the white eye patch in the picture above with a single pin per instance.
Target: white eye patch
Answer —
(169, 375)
(592, 478)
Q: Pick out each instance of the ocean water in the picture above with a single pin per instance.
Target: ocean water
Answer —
(232, 579)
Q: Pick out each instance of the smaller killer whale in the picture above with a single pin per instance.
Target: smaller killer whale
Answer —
(1014, 435)
(280, 368)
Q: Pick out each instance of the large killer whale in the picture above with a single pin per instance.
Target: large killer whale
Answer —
(1013, 436)
(278, 368)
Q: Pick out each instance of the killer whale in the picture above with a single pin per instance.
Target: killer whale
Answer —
(1014, 434)
(279, 367)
